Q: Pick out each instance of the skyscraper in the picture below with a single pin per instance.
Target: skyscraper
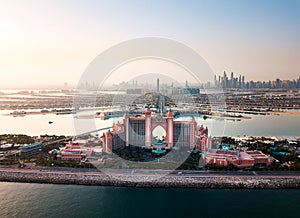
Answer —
(215, 81)
(243, 81)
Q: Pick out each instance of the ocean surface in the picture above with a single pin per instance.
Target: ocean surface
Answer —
(44, 200)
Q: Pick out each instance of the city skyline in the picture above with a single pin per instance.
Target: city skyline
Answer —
(226, 80)
(53, 42)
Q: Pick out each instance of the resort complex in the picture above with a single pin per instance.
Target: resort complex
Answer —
(138, 131)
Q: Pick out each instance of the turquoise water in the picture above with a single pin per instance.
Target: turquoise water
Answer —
(44, 200)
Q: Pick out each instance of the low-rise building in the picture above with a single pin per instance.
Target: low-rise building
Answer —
(31, 148)
(238, 159)
(72, 152)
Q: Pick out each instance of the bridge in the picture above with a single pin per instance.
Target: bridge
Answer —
(69, 138)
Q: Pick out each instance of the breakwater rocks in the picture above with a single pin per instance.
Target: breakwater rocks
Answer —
(153, 181)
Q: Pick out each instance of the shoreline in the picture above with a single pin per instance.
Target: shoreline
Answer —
(153, 181)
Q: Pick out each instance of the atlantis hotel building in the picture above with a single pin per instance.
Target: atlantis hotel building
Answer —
(138, 131)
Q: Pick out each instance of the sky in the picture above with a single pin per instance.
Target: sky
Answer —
(52, 42)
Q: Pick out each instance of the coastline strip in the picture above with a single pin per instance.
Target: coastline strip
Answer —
(153, 181)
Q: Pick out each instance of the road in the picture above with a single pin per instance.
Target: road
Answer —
(153, 173)
(69, 138)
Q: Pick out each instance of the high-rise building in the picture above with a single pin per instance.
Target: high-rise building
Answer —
(243, 81)
(231, 81)
(215, 81)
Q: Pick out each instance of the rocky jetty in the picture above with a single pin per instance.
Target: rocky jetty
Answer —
(167, 181)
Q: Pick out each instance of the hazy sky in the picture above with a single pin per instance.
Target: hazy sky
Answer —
(52, 42)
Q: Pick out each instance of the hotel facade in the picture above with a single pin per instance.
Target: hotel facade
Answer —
(138, 131)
